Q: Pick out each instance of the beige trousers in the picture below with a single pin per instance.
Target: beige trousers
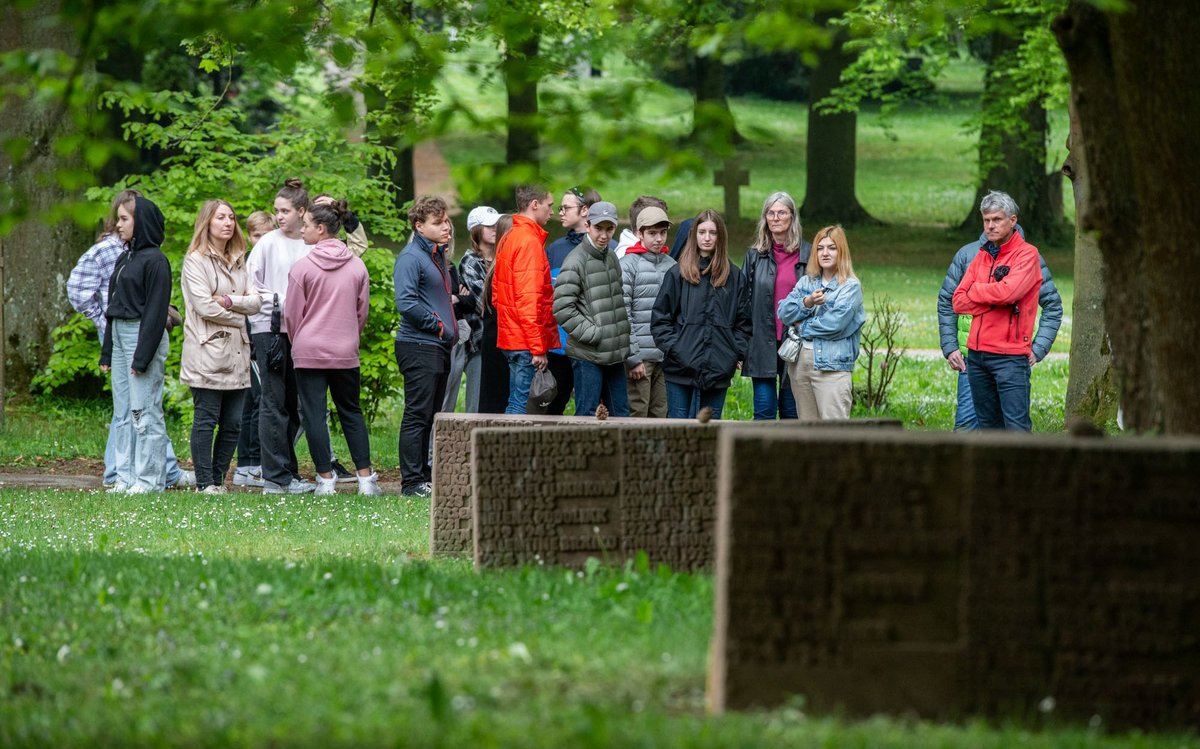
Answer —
(648, 396)
(819, 395)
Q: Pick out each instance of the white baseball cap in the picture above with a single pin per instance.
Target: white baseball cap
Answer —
(483, 215)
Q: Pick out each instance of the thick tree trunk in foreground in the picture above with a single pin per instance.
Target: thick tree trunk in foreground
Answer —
(37, 257)
(1091, 393)
(1012, 155)
(1133, 81)
(832, 148)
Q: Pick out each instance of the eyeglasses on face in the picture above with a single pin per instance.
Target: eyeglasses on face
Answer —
(564, 207)
(778, 214)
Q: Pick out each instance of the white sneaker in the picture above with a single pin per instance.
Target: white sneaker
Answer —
(248, 476)
(186, 480)
(137, 489)
(326, 486)
(213, 489)
(118, 488)
(368, 486)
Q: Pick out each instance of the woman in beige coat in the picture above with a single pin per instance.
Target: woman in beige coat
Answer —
(216, 346)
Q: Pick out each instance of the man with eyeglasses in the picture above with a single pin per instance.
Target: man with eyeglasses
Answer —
(573, 213)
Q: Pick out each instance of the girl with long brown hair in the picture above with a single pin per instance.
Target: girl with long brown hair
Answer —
(701, 320)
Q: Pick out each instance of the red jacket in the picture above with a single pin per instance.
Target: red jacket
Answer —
(522, 292)
(1004, 311)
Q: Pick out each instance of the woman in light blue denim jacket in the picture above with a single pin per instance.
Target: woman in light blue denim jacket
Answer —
(826, 309)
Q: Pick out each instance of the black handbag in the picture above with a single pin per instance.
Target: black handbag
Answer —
(277, 351)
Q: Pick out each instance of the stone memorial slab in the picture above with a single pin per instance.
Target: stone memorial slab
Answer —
(561, 495)
(954, 575)
(450, 505)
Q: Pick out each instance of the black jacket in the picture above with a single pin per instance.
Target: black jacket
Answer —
(763, 352)
(702, 331)
(140, 287)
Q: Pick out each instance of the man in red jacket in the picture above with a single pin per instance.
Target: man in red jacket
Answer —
(524, 296)
(1000, 288)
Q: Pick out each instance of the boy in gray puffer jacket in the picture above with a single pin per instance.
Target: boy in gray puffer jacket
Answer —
(642, 271)
(590, 306)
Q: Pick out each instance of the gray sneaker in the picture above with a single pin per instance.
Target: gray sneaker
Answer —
(186, 480)
(296, 486)
(248, 476)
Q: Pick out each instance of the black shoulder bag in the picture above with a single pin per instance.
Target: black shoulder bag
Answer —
(277, 352)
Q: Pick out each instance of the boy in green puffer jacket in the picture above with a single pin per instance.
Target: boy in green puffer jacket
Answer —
(590, 305)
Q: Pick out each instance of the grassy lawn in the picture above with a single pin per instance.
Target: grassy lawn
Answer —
(259, 621)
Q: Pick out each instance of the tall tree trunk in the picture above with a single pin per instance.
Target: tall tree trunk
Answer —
(403, 176)
(1012, 154)
(522, 153)
(400, 105)
(1133, 82)
(832, 148)
(37, 256)
(1091, 393)
(713, 125)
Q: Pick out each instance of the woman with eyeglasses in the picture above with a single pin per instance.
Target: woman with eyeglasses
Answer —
(827, 308)
(773, 264)
(572, 212)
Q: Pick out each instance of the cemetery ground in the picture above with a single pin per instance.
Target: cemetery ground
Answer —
(245, 620)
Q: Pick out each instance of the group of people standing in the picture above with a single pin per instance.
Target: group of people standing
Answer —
(643, 327)
(234, 304)
(651, 329)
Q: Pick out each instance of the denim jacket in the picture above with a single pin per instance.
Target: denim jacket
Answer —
(833, 327)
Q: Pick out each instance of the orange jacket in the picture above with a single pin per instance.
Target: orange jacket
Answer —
(522, 292)
(1005, 310)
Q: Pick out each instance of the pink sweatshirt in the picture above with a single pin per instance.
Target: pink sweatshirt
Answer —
(326, 310)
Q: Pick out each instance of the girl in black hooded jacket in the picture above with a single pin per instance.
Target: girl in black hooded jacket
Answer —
(135, 348)
(701, 320)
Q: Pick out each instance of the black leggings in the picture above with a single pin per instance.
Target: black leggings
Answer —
(343, 386)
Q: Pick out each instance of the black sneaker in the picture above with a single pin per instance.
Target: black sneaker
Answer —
(341, 474)
(420, 490)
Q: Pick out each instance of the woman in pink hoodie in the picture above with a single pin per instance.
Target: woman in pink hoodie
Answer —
(326, 311)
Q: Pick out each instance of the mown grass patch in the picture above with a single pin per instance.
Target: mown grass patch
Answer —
(302, 623)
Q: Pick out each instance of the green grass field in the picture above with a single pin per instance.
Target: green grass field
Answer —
(252, 621)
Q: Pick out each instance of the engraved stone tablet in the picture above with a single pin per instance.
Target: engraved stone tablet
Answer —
(954, 575)
(561, 495)
(450, 505)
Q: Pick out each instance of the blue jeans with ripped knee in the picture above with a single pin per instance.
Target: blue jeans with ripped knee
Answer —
(140, 430)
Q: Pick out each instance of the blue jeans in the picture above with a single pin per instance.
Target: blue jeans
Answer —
(964, 413)
(685, 401)
(1000, 390)
(595, 383)
(110, 458)
(520, 377)
(140, 452)
(773, 398)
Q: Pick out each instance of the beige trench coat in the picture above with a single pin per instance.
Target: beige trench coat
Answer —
(216, 344)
